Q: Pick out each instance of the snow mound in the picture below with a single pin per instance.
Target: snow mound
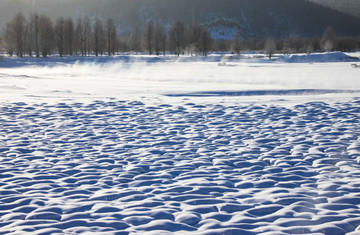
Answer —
(123, 167)
(320, 58)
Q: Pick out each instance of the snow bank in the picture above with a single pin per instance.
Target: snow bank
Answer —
(319, 58)
(220, 58)
(15, 62)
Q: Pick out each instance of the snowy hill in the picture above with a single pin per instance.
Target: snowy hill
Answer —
(259, 18)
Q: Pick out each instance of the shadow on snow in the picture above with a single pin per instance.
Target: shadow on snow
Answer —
(262, 92)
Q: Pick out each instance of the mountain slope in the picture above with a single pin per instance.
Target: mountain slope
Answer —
(347, 6)
(252, 18)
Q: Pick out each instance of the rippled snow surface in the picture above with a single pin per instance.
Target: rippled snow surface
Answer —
(119, 167)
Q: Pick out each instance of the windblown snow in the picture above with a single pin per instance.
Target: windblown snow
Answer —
(164, 145)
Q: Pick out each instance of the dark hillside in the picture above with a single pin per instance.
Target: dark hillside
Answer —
(351, 7)
(253, 18)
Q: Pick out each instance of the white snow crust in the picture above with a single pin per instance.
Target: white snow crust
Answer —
(190, 145)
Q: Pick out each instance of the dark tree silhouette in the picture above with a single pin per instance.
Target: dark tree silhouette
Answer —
(15, 35)
(236, 44)
(270, 47)
(111, 36)
(69, 36)
(34, 31)
(8, 36)
(177, 38)
(205, 41)
(193, 36)
(46, 35)
(98, 37)
(83, 35)
(159, 39)
(148, 37)
(60, 35)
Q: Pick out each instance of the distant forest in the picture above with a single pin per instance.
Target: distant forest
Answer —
(38, 36)
(253, 18)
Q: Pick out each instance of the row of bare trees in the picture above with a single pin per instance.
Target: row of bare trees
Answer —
(39, 36)
(328, 42)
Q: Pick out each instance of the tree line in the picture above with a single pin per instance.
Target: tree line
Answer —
(38, 36)
(328, 42)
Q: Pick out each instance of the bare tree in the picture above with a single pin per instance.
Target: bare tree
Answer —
(177, 38)
(98, 37)
(159, 39)
(8, 38)
(15, 35)
(28, 44)
(205, 41)
(198, 39)
(69, 36)
(193, 38)
(87, 35)
(1, 43)
(60, 35)
(135, 40)
(236, 44)
(270, 47)
(309, 47)
(286, 47)
(83, 36)
(111, 36)
(123, 45)
(46, 35)
(163, 41)
(328, 41)
(148, 37)
(20, 33)
(80, 37)
(34, 32)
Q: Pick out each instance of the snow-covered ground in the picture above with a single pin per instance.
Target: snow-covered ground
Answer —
(189, 145)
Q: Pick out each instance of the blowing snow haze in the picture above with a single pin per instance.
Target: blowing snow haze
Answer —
(252, 18)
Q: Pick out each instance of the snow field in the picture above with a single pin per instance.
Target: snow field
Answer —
(134, 77)
(189, 145)
(120, 167)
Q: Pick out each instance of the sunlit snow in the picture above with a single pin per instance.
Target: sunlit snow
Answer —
(137, 144)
